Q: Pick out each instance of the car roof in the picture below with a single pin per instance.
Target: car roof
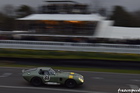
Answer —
(44, 68)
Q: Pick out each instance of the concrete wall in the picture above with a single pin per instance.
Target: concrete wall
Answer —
(106, 30)
(125, 32)
(103, 29)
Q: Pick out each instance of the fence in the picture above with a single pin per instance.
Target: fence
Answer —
(69, 46)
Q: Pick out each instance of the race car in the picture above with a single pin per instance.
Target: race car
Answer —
(47, 75)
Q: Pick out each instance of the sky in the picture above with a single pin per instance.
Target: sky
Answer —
(129, 5)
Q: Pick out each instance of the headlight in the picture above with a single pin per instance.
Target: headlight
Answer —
(82, 80)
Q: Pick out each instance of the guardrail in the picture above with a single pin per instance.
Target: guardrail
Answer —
(69, 46)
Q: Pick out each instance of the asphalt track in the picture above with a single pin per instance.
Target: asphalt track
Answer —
(11, 81)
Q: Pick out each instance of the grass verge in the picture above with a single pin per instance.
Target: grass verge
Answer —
(23, 53)
(75, 68)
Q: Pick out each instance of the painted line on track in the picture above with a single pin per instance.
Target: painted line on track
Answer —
(133, 86)
(51, 89)
(136, 80)
(5, 75)
(98, 78)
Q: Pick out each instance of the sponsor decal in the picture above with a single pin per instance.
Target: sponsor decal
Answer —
(72, 73)
(70, 77)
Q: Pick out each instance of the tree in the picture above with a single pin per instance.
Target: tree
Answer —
(7, 23)
(137, 14)
(123, 18)
(8, 10)
(9, 14)
(1, 20)
(103, 11)
(24, 10)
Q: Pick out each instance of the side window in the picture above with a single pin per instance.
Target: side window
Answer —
(46, 73)
(51, 72)
(41, 72)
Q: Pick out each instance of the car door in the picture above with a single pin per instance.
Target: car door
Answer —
(48, 77)
(53, 78)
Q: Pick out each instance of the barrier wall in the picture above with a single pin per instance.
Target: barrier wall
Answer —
(85, 47)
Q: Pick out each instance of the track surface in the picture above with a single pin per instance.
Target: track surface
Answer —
(11, 81)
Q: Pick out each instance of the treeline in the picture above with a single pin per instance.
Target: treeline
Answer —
(121, 17)
(124, 18)
(9, 14)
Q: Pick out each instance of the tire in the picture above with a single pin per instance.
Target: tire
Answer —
(36, 81)
(70, 83)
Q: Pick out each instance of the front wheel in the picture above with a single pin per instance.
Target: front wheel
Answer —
(70, 83)
(36, 81)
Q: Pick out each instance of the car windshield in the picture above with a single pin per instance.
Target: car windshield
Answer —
(51, 72)
(33, 69)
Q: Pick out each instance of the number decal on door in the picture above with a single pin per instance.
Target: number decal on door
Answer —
(46, 77)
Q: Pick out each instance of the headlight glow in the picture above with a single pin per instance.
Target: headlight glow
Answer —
(81, 80)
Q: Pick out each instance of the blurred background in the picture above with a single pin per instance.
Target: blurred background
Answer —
(86, 35)
(96, 21)
(71, 25)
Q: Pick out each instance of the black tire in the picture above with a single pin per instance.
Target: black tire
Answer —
(70, 83)
(36, 81)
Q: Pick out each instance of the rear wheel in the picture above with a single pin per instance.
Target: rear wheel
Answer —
(70, 83)
(36, 81)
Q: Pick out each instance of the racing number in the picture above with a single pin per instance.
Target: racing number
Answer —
(46, 77)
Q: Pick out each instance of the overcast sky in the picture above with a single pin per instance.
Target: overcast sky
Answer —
(130, 5)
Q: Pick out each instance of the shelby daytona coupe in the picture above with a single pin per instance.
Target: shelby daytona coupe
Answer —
(46, 75)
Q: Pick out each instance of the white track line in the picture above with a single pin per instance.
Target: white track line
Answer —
(136, 80)
(134, 87)
(5, 75)
(98, 78)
